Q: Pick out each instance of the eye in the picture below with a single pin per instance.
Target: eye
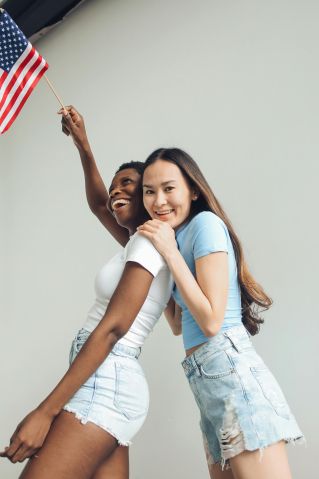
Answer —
(148, 192)
(126, 181)
(169, 188)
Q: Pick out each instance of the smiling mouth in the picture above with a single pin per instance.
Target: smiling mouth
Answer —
(120, 203)
(164, 212)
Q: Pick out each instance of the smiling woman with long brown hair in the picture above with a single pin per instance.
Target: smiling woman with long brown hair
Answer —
(244, 415)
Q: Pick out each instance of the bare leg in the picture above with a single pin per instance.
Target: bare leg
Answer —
(71, 450)
(273, 465)
(215, 472)
(116, 466)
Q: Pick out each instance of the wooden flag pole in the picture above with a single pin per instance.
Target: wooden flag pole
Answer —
(54, 92)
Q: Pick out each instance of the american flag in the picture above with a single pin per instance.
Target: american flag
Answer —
(21, 67)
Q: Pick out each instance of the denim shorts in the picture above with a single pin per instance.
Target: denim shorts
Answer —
(116, 396)
(241, 404)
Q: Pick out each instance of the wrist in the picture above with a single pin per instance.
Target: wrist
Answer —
(171, 254)
(84, 147)
(48, 410)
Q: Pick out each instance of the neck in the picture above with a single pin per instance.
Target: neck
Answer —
(132, 228)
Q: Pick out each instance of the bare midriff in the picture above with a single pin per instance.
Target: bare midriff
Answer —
(191, 350)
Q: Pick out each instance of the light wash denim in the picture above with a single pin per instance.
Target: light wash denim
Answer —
(241, 404)
(116, 396)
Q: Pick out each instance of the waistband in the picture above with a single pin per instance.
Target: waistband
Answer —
(118, 349)
(123, 350)
(237, 336)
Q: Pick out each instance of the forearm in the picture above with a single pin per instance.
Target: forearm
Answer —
(92, 354)
(96, 193)
(115, 323)
(169, 311)
(173, 316)
(194, 298)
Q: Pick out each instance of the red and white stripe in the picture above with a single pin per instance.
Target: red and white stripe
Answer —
(17, 85)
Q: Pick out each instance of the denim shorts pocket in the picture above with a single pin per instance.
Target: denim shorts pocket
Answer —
(271, 390)
(75, 348)
(77, 344)
(216, 366)
(131, 392)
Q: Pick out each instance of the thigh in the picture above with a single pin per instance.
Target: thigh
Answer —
(116, 466)
(273, 464)
(216, 472)
(72, 450)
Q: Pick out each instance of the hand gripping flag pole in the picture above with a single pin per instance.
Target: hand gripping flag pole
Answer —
(21, 68)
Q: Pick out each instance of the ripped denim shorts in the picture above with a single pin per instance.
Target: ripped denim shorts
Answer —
(241, 404)
(116, 396)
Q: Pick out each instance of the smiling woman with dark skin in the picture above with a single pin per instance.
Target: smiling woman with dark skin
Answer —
(62, 439)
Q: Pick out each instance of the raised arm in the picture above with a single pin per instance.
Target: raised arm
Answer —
(96, 193)
(31, 432)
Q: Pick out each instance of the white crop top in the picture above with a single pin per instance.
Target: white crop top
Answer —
(140, 250)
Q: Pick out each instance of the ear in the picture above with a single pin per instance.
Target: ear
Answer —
(195, 194)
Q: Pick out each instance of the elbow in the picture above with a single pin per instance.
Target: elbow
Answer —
(112, 336)
(212, 328)
(177, 331)
(94, 209)
(118, 332)
(98, 208)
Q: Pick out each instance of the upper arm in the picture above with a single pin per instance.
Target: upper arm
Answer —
(212, 277)
(109, 222)
(210, 246)
(127, 299)
(142, 264)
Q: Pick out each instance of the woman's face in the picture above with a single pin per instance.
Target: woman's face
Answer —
(125, 200)
(167, 195)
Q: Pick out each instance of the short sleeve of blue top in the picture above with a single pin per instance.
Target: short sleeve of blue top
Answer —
(206, 233)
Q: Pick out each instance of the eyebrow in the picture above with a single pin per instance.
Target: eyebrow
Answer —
(122, 179)
(162, 184)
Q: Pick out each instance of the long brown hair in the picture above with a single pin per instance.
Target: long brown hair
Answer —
(254, 300)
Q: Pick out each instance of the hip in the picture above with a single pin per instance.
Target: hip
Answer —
(229, 366)
(118, 383)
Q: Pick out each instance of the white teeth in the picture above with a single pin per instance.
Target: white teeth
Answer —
(163, 212)
(121, 202)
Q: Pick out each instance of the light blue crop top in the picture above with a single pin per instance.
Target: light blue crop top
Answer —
(206, 233)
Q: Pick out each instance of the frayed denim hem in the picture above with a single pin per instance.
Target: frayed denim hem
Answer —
(85, 420)
(225, 461)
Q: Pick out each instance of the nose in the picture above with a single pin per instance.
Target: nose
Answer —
(160, 199)
(115, 191)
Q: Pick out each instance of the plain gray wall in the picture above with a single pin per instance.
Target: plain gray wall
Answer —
(235, 83)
